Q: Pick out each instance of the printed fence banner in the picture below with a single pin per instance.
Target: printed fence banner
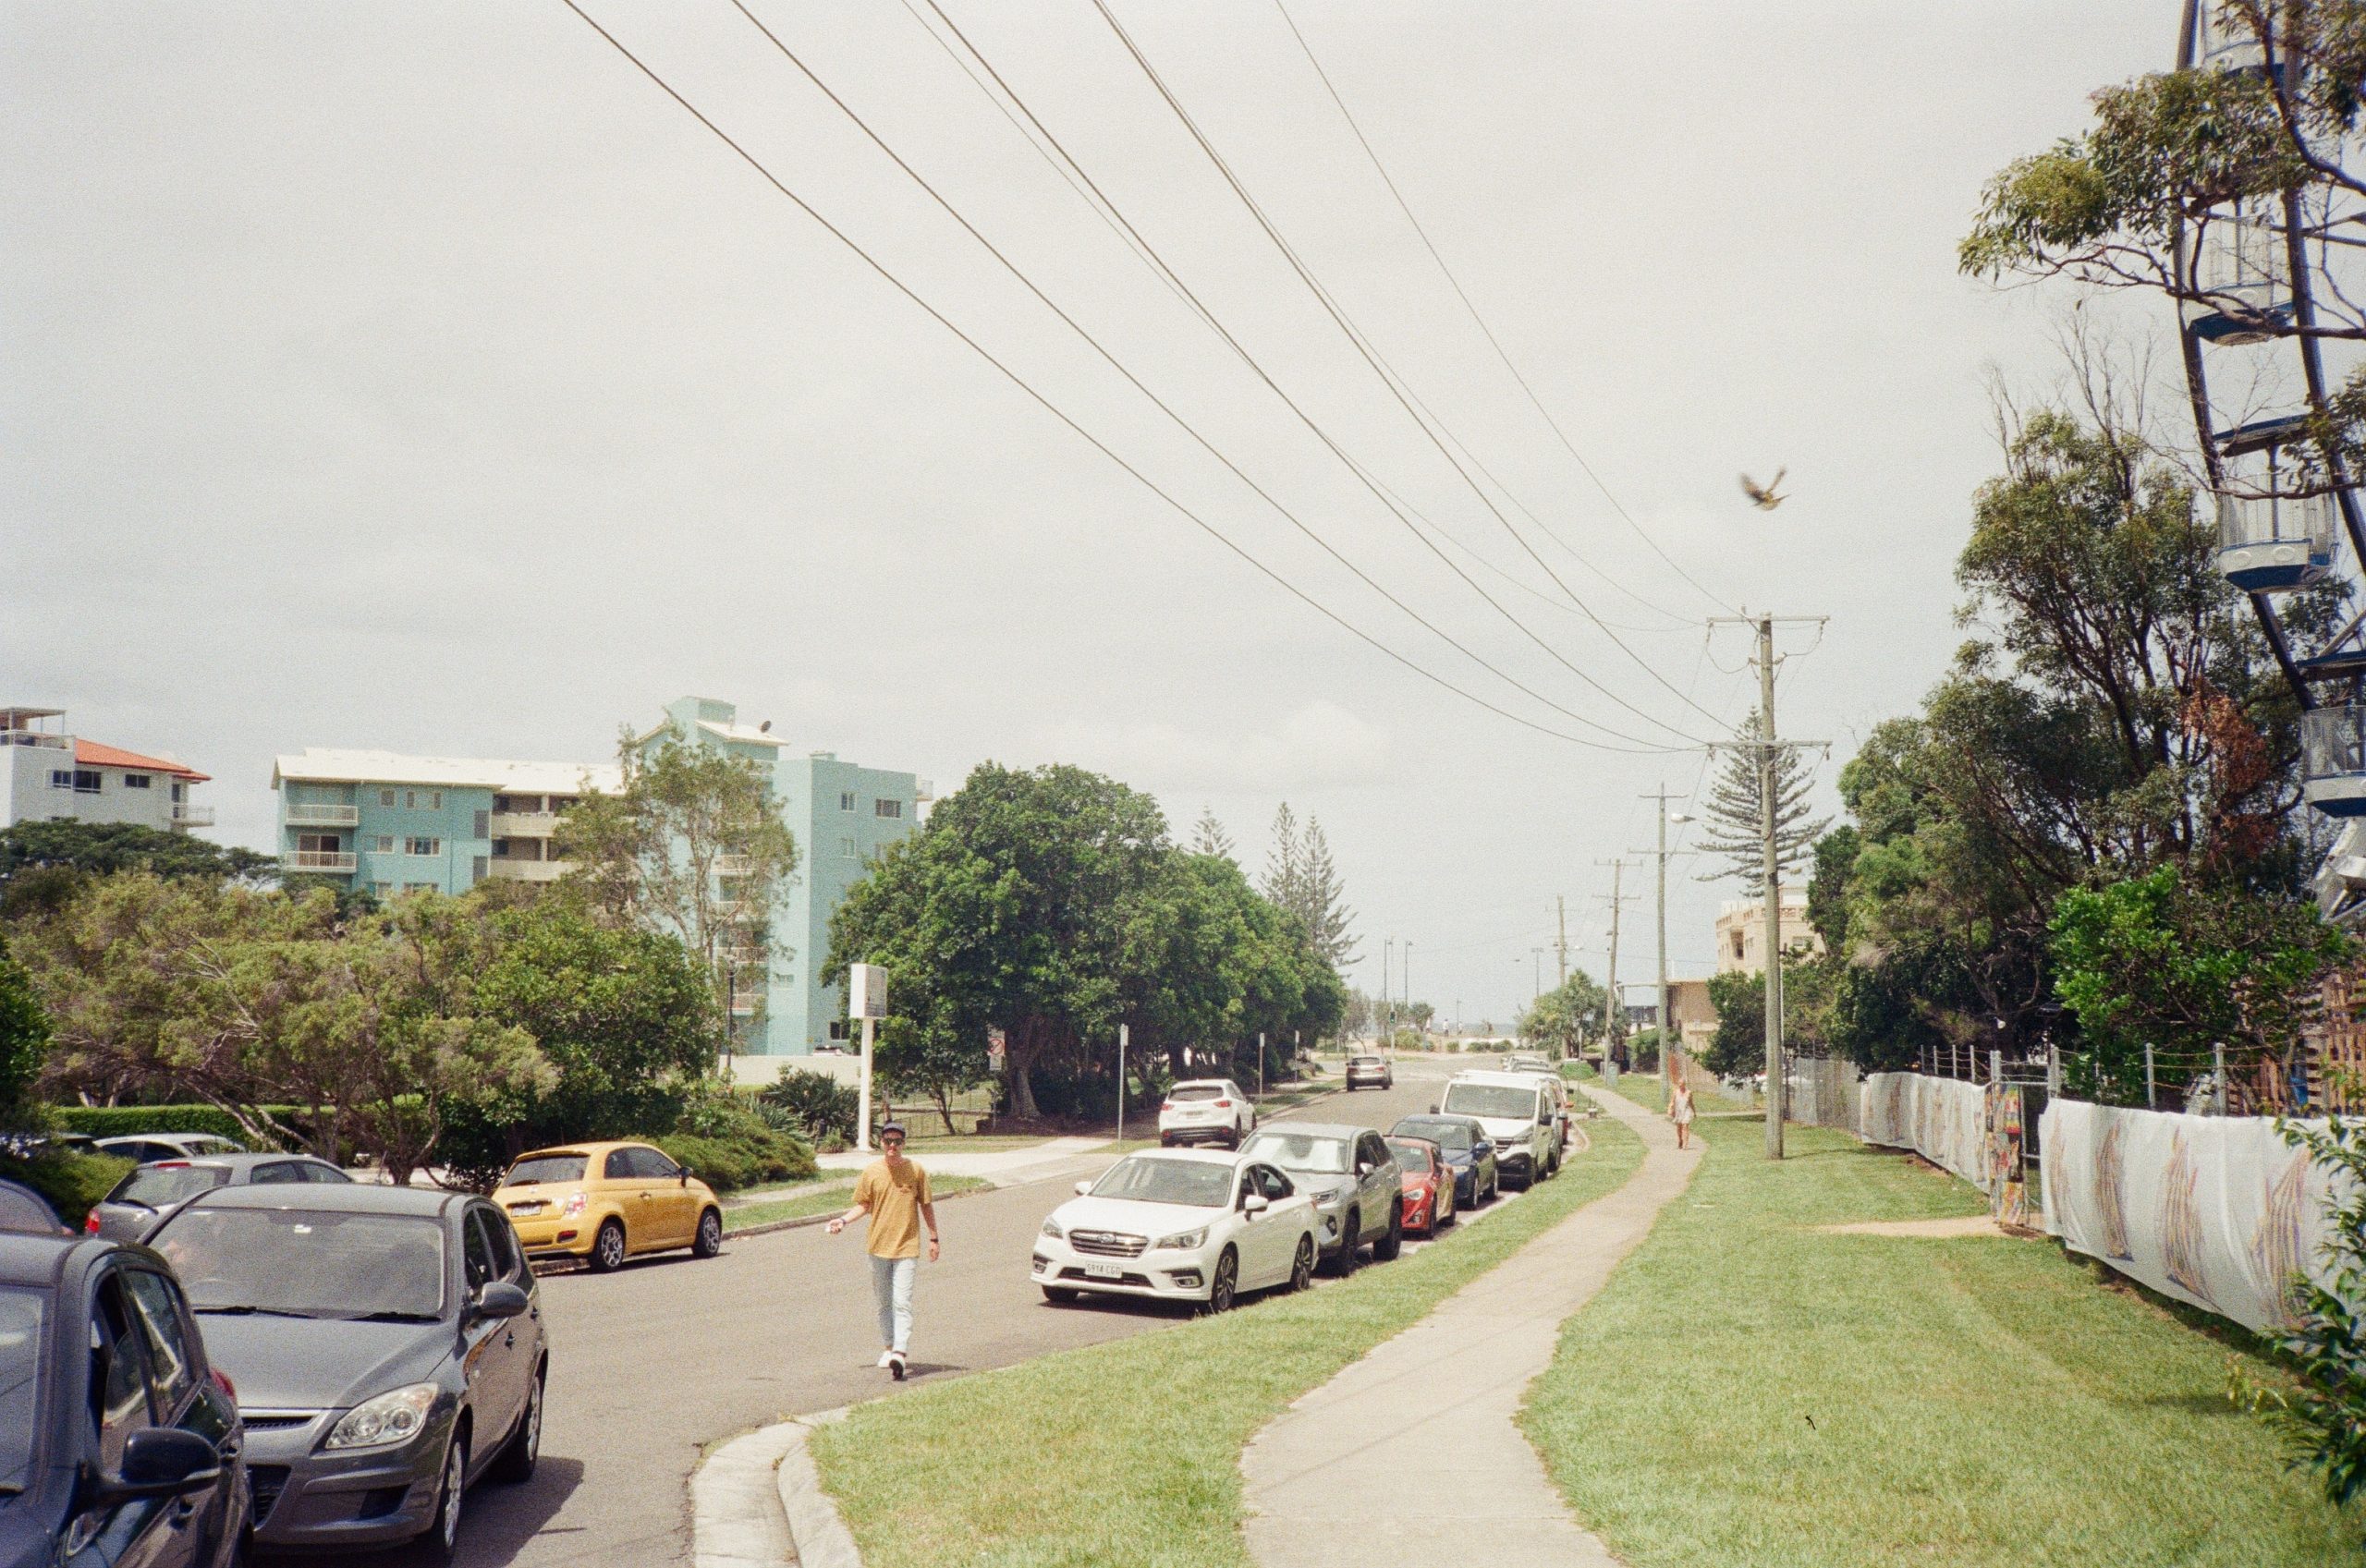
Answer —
(2008, 1195)
(2216, 1211)
(1943, 1120)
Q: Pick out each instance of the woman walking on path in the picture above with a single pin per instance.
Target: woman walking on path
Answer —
(893, 1192)
(1679, 1111)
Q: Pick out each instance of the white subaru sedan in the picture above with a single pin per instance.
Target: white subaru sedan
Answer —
(1179, 1224)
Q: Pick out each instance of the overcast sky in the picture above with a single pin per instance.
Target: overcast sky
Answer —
(419, 376)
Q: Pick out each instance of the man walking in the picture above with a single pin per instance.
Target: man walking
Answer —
(893, 1192)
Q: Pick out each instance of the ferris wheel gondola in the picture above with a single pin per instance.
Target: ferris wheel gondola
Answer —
(2252, 272)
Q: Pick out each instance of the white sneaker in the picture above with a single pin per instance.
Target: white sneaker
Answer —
(887, 1359)
(896, 1364)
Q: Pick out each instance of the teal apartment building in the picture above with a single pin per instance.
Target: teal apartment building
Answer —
(392, 824)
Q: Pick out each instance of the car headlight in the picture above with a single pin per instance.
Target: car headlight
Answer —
(1184, 1240)
(1328, 1199)
(1052, 1229)
(392, 1418)
(576, 1204)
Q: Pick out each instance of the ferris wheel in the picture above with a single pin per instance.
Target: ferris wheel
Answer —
(2264, 284)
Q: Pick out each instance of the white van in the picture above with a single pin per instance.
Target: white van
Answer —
(1523, 1116)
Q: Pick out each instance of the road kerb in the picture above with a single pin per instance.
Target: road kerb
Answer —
(736, 1515)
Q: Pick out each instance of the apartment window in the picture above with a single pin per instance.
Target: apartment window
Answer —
(435, 800)
(382, 891)
(385, 797)
(846, 801)
(886, 808)
(385, 843)
(418, 887)
(423, 846)
(137, 781)
(81, 781)
(484, 824)
(501, 849)
(560, 803)
(318, 843)
(61, 778)
(845, 847)
(480, 869)
(838, 1028)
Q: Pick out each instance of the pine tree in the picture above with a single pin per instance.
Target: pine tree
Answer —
(1208, 836)
(1322, 901)
(1735, 830)
(1282, 872)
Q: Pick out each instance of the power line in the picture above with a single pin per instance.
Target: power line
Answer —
(1480, 321)
(1402, 510)
(1396, 386)
(1053, 410)
(1209, 448)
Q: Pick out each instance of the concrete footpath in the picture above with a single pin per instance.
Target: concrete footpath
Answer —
(1326, 1484)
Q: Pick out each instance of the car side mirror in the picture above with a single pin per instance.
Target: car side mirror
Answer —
(1365, 1167)
(499, 1298)
(1433, 1110)
(1254, 1204)
(686, 1175)
(1083, 1189)
(162, 1462)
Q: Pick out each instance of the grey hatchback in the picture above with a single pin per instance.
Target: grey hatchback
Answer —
(388, 1349)
(130, 1208)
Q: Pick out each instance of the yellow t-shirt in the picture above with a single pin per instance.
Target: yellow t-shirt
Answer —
(895, 1195)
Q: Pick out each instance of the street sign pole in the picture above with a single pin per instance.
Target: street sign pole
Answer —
(1121, 1083)
(866, 999)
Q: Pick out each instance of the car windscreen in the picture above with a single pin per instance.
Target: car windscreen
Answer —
(306, 1263)
(1410, 1157)
(1452, 1136)
(1195, 1091)
(161, 1187)
(21, 1319)
(1363, 1061)
(1490, 1099)
(1192, 1182)
(546, 1167)
(1300, 1152)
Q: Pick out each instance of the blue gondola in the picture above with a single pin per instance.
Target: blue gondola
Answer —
(2274, 543)
(2333, 758)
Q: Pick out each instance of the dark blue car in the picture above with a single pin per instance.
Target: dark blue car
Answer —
(1463, 1143)
(119, 1444)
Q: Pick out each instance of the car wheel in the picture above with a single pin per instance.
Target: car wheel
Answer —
(1302, 1266)
(1166, 1142)
(1225, 1287)
(1385, 1249)
(525, 1448)
(609, 1247)
(444, 1530)
(710, 1237)
(1060, 1295)
(1353, 1232)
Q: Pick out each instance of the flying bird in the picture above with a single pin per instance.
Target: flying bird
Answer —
(1764, 497)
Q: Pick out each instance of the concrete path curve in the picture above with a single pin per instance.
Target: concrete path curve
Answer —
(1329, 1484)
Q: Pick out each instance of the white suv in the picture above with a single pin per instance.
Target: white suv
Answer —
(1205, 1111)
(1522, 1115)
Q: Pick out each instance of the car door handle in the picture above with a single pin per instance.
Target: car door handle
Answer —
(509, 1340)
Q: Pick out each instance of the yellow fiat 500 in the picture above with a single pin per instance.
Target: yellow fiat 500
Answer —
(607, 1203)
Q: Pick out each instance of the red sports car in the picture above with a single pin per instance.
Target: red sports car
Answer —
(1429, 1184)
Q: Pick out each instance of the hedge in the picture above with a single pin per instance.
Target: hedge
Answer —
(727, 1164)
(70, 1183)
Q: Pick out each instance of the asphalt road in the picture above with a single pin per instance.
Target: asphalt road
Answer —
(654, 1363)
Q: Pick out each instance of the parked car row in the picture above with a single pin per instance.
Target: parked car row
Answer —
(1204, 1227)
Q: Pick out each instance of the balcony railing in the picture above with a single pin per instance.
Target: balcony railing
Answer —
(34, 738)
(301, 815)
(192, 816)
(318, 860)
(524, 824)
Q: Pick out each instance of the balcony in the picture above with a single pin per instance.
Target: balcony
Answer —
(508, 869)
(733, 865)
(35, 737)
(188, 816)
(311, 816)
(336, 861)
(524, 824)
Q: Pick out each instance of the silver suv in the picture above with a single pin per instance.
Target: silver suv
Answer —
(1357, 1188)
(1377, 1071)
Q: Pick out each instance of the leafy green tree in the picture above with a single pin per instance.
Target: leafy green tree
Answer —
(24, 1045)
(243, 999)
(1739, 1048)
(2183, 964)
(623, 1015)
(44, 863)
(693, 845)
(1563, 1019)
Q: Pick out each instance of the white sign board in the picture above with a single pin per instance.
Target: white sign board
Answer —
(866, 991)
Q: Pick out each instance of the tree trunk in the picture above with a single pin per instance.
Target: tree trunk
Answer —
(1022, 1093)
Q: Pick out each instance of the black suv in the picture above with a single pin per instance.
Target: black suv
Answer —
(119, 1443)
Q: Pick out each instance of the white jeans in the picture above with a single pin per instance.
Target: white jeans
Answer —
(891, 1282)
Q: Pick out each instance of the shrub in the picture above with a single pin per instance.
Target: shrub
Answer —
(814, 1104)
(70, 1183)
(731, 1147)
(122, 1121)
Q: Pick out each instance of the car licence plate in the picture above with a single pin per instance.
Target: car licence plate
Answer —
(1104, 1272)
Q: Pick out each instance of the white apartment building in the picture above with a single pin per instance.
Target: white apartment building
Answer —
(50, 775)
(1741, 932)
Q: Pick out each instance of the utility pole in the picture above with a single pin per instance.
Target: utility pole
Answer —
(1660, 797)
(1561, 906)
(1405, 979)
(1766, 749)
(1536, 985)
(1612, 1004)
(1380, 1013)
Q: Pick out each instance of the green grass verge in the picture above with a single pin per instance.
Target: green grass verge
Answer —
(1128, 1452)
(826, 1198)
(1975, 1402)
